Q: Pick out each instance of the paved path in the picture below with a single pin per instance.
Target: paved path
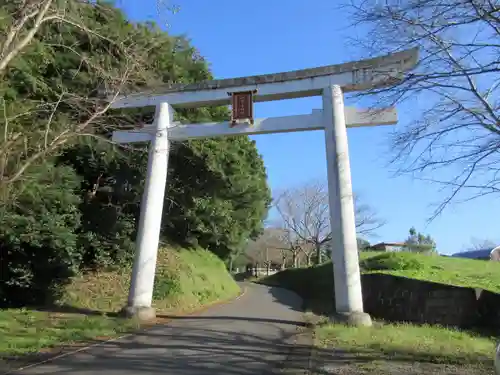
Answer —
(245, 336)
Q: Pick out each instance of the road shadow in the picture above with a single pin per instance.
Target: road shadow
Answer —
(196, 344)
(284, 297)
(195, 350)
(234, 318)
(242, 276)
(184, 350)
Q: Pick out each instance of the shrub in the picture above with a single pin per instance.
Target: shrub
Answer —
(391, 261)
(38, 244)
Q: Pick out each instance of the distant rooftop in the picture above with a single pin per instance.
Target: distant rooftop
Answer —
(476, 254)
(388, 245)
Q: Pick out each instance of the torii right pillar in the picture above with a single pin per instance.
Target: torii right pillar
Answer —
(347, 278)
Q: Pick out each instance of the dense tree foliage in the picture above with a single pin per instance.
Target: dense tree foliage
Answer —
(49, 90)
(75, 205)
(419, 243)
(38, 243)
(234, 199)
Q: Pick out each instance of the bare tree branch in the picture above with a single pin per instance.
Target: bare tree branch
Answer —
(454, 91)
(481, 244)
(304, 215)
(34, 129)
(270, 247)
(13, 43)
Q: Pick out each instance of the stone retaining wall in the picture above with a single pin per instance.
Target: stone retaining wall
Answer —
(396, 298)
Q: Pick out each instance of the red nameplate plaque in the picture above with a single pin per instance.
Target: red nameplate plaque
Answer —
(242, 107)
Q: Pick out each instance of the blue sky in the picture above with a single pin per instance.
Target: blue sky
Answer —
(240, 38)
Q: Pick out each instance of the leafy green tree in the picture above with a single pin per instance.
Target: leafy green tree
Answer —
(362, 244)
(217, 197)
(420, 243)
(38, 240)
(56, 122)
(110, 192)
(219, 194)
(51, 81)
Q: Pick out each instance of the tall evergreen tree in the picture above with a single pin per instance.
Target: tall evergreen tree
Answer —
(59, 170)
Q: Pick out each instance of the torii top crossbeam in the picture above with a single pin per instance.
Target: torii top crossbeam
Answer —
(353, 76)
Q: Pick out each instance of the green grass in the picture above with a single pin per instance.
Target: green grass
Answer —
(396, 348)
(186, 279)
(445, 270)
(403, 349)
(25, 331)
(191, 279)
(397, 341)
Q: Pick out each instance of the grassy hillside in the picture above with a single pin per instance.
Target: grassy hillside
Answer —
(317, 282)
(446, 270)
(185, 280)
(397, 348)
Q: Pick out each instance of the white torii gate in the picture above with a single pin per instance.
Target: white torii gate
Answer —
(329, 82)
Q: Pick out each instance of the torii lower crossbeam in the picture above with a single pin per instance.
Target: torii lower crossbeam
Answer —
(354, 118)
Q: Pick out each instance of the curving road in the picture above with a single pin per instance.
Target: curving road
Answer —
(250, 335)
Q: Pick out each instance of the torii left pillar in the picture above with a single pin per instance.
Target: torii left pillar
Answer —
(143, 274)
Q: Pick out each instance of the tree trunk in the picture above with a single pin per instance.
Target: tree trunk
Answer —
(318, 254)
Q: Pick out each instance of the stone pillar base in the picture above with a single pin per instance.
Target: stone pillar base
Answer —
(355, 319)
(142, 314)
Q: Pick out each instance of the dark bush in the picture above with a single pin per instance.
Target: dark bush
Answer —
(38, 243)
